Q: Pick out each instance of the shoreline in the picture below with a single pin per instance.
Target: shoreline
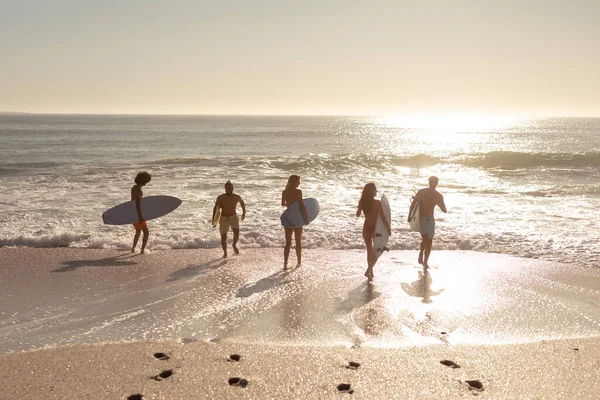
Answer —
(85, 323)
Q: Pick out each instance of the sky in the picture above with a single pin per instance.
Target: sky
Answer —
(301, 57)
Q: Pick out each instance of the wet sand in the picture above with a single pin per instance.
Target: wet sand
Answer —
(520, 328)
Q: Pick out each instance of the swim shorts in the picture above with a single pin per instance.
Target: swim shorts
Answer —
(226, 222)
(427, 226)
(139, 225)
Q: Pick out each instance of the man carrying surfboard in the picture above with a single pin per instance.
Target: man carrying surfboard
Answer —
(136, 195)
(427, 199)
(227, 202)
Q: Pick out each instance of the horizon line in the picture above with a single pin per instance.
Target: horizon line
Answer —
(289, 115)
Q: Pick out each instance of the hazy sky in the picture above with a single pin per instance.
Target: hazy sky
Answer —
(372, 57)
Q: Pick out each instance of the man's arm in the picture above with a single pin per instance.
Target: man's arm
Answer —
(217, 204)
(441, 203)
(413, 204)
(243, 208)
(138, 207)
(135, 194)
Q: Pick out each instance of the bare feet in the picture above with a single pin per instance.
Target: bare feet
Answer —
(225, 255)
(369, 275)
(420, 257)
(298, 265)
(235, 250)
(285, 267)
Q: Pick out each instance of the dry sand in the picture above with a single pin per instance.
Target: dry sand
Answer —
(521, 328)
(562, 369)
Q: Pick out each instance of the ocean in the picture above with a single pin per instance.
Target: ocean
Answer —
(518, 186)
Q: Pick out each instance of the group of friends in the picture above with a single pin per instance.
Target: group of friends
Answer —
(427, 198)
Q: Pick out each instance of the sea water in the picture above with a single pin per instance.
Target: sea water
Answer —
(525, 187)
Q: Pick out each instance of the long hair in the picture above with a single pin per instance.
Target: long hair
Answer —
(291, 183)
(367, 197)
(143, 178)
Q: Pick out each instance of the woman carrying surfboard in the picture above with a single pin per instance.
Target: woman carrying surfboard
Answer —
(372, 209)
(136, 194)
(289, 196)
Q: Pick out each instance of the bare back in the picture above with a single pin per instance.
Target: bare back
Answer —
(371, 216)
(428, 199)
(136, 192)
(290, 196)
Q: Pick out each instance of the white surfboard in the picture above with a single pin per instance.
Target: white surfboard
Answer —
(217, 217)
(414, 217)
(292, 217)
(381, 233)
(152, 207)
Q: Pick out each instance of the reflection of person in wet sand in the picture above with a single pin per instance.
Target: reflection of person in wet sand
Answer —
(421, 287)
(371, 208)
(373, 321)
(289, 196)
(136, 195)
(228, 203)
(428, 198)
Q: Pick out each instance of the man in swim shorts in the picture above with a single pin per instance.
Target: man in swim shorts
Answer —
(428, 198)
(141, 180)
(229, 219)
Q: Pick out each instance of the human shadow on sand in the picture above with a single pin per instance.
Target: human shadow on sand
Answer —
(358, 297)
(116, 261)
(421, 287)
(271, 281)
(195, 270)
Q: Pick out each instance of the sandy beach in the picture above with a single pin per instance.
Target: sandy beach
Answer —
(80, 323)
(562, 369)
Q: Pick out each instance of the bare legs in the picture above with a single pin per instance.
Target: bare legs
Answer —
(137, 236)
(288, 244)
(236, 237)
(426, 244)
(368, 236)
(224, 244)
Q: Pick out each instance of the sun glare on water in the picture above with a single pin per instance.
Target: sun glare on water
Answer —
(449, 124)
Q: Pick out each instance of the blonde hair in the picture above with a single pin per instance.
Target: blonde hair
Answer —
(291, 183)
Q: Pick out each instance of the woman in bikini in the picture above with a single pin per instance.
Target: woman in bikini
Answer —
(289, 196)
(371, 208)
(136, 194)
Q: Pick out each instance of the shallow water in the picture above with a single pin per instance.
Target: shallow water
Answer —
(71, 296)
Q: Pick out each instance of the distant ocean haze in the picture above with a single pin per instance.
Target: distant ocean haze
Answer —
(527, 187)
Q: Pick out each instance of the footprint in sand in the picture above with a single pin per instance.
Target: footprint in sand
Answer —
(136, 397)
(353, 365)
(234, 357)
(475, 385)
(238, 382)
(345, 387)
(161, 356)
(163, 375)
(188, 340)
(450, 364)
